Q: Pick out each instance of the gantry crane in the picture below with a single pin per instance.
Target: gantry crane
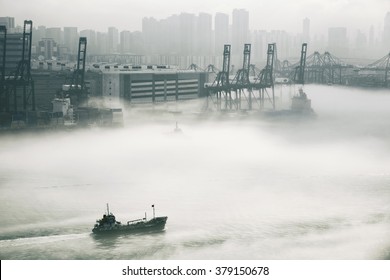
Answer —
(3, 34)
(76, 89)
(241, 80)
(265, 79)
(300, 70)
(22, 76)
(221, 84)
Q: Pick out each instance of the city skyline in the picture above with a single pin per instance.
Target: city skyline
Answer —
(275, 15)
(202, 35)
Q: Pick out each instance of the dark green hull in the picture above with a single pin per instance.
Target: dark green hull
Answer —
(155, 224)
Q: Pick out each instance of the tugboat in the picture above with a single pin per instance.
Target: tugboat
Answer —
(177, 129)
(301, 104)
(300, 108)
(108, 224)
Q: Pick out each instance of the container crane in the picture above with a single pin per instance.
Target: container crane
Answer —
(300, 70)
(265, 79)
(22, 75)
(221, 84)
(3, 34)
(76, 89)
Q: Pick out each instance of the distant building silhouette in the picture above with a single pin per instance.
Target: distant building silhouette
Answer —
(221, 30)
(386, 32)
(240, 30)
(8, 22)
(306, 30)
(337, 41)
(186, 33)
(113, 39)
(48, 48)
(55, 33)
(91, 40)
(203, 40)
(71, 38)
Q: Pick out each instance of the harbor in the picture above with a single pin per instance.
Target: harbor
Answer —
(261, 139)
(96, 94)
(253, 188)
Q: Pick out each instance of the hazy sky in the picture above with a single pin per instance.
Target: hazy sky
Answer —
(264, 14)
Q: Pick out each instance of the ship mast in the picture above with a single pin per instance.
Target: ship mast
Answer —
(108, 210)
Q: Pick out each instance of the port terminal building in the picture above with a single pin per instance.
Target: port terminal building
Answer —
(123, 83)
(152, 84)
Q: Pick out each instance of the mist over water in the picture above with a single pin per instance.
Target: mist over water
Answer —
(232, 187)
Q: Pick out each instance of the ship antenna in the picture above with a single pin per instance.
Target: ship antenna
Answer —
(108, 210)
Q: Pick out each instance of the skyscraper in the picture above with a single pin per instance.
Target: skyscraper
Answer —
(113, 39)
(371, 38)
(306, 30)
(102, 43)
(47, 48)
(150, 31)
(55, 33)
(125, 45)
(386, 32)
(91, 40)
(186, 33)
(337, 41)
(204, 34)
(221, 32)
(71, 39)
(8, 22)
(240, 30)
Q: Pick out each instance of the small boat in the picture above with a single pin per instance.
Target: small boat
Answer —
(109, 224)
(177, 129)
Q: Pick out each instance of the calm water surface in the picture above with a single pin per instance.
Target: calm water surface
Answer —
(237, 188)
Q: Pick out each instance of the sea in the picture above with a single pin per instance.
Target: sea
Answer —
(235, 186)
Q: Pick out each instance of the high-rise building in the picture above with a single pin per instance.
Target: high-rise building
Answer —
(371, 38)
(55, 33)
(221, 31)
(137, 43)
(71, 39)
(38, 34)
(170, 30)
(337, 41)
(8, 22)
(153, 37)
(284, 46)
(386, 32)
(259, 48)
(125, 45)
(186, 33)
(101, 43)
(113, 39)
(14, 47)
(306, 30)
(361, 39)
(203, 39)
(47, 48)
(91, 40)
(240, 30)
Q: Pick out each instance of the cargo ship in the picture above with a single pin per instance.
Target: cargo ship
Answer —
(109, 225)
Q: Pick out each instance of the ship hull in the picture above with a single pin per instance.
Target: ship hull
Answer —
(155, 224)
